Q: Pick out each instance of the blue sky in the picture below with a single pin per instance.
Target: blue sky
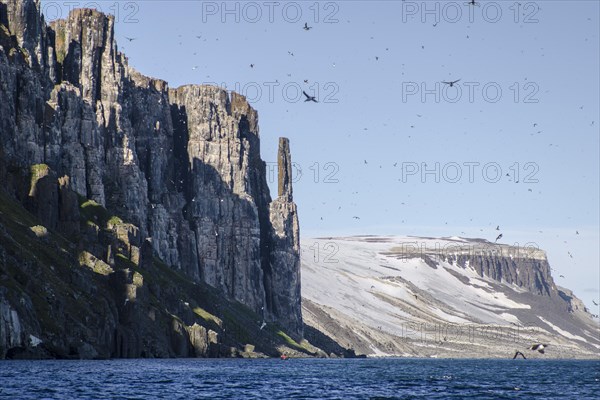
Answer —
(368, 62)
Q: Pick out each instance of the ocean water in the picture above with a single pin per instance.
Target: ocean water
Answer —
(300, 379)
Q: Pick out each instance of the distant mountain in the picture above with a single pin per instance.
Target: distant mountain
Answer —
(446, 297)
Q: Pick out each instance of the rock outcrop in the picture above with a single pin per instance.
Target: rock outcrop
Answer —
(87, 142)
(285, 254)
(526, 268)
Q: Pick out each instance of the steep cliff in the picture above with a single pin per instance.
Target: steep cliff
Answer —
(81, 131)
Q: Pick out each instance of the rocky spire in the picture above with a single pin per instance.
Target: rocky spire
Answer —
(284, 161)
(285, 251)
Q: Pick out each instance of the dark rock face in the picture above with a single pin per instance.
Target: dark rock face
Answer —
(24, 21)
(181, 166)
(530, 273)
(224, 194)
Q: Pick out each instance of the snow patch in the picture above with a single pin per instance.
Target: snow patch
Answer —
(35, 341)
(562, 331)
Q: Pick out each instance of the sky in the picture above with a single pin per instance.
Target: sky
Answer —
(514, 143)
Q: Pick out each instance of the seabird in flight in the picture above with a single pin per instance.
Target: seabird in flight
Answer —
(518, 353)
(130, 39)
(594, 303)
(309, 98)
(499, 237)
(539, 347)
(451, 83)
(306, 27)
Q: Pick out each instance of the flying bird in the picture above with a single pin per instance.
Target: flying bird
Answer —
(472, 3)
(498, 227)
(309, 98)
(561, 276)
(518, 353)
(499, 237)
(594, 303)
(263, 325)
(539, 347)
(451, 83)
(251, 65)
(355, 217)
(130, 39)
(306, 27)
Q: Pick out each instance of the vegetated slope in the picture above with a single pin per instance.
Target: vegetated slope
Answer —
(57, 300)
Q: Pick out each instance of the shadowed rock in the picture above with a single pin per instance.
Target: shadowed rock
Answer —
(181, 166)
(284, 163)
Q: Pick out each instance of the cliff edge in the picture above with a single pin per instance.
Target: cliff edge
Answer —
(129, 178)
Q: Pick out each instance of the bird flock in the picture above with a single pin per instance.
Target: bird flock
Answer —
(308, 98)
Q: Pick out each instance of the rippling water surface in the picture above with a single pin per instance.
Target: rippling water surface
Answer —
(300, 379)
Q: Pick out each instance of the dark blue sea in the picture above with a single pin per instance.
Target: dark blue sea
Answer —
(300, 379)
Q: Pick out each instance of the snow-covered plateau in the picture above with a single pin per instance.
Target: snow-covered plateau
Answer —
(441, 297)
